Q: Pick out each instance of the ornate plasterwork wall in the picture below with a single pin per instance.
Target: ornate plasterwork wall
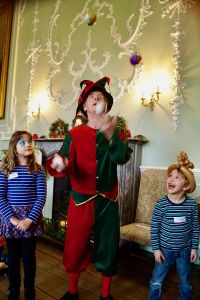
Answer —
(91, 60)
(174, 9)
(58, 56)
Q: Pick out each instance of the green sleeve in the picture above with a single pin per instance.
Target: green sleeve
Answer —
(66, 146)
(120, 152)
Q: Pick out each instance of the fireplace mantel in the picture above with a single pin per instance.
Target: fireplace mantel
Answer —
(48, 146)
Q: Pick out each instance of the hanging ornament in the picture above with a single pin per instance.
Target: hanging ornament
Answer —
(62, 224)
(89, 18)
(135, 59)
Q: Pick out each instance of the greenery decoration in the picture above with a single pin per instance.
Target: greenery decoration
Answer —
(3, 153)
(79, 119)
(121, 122)
(53, 229)
(58, 129)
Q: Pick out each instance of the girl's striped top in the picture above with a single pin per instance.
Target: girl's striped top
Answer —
(175, 226)
(21, 189)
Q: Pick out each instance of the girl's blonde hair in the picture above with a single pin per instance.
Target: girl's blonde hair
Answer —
(11, 159)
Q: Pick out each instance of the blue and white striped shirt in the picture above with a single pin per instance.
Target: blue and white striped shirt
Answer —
(175, 226)
(22, 188)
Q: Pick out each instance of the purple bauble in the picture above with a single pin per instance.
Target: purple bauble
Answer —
(135, 59)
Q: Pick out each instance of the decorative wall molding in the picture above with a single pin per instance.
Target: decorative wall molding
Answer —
(33, 53)
(22, 9)
(57, 62)
(103, 10)
(174, 9)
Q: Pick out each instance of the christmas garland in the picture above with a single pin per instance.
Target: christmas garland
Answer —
(58, 129)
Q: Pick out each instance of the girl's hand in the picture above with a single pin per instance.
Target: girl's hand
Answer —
(14, 221)
(24, 224)
(193, 255)
(159, 257)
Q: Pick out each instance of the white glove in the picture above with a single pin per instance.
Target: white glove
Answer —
(58, 163)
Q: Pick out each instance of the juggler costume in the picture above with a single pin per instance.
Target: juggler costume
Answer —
(93, 207)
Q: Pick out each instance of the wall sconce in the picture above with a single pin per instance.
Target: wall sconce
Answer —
(155, 97)
(36, 114)
(39, 104)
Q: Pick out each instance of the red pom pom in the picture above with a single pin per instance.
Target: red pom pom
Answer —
(128, 133)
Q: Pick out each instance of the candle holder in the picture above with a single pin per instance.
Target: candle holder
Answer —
(155, 97)
(36, 114)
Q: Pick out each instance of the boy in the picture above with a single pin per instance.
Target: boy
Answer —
(175, 230)
(90, 155)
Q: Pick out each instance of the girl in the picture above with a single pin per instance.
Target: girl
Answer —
(22, 197)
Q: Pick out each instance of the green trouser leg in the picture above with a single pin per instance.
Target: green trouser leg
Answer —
(106, 236)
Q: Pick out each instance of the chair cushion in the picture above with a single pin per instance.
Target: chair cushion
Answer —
(152, 187)
(136, 232)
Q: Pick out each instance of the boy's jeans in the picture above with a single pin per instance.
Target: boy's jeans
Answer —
(181, 259)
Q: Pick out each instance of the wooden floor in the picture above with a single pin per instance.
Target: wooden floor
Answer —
(130, 284)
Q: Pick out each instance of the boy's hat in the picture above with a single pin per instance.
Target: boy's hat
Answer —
(184, 166)
(92, 87)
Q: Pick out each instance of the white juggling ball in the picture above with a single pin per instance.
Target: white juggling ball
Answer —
(100, 107)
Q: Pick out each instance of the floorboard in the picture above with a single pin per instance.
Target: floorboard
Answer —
(130, 284)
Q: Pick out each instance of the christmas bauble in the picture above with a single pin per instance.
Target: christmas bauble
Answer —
(135, 59)
(62, 224)
(89, 18)
(3, 265)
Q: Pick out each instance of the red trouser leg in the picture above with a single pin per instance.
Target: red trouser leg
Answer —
(106, 286)
(80, 222)
(73, 282)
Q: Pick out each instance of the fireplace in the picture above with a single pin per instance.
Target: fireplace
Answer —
(58, 193)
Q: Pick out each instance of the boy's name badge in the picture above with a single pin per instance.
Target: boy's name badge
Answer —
(12, 175)
(179, 219)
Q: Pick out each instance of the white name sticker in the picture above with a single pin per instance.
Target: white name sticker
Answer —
(179, 219)
(12, 175)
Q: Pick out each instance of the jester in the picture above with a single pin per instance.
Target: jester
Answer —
(90, 155)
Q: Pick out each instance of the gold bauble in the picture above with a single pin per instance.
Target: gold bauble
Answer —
(2, 265)
(89, 18)
(62, 224)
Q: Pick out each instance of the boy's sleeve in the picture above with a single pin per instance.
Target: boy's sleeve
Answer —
(120, 152)
(195, 228)
(155, 227)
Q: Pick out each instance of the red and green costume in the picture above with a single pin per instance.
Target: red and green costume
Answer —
(93, 207)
